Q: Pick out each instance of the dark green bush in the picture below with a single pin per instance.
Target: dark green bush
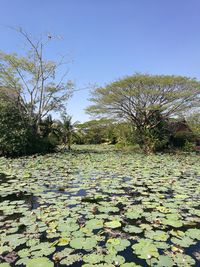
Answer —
(180, 139)
(13, 130)
(17, 136)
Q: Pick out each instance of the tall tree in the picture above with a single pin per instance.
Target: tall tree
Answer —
(40, 85)
(66, 129)
(139, 97)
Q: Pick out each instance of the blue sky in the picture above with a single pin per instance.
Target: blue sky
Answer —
(109, 39)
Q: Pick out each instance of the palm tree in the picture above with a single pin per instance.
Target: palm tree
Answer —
(67, 130)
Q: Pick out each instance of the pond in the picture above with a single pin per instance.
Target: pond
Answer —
(96, 206)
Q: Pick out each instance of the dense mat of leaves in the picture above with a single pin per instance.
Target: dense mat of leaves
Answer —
(99, 207)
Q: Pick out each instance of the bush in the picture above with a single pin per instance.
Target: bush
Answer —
(13, 131)
(17, 136)
(180, 139)
(189, 146)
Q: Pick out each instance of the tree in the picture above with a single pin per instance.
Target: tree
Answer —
(193, 121)
(139, 97)
(14, 133)
(37, 82)
(95, 131)
(66, 129)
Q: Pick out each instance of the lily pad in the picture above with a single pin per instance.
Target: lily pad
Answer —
(113, 224)
(39, 262)
(83, 243)
(145, 249)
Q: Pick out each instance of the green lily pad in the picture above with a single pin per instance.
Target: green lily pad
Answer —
(183, 260)
(39, 262)
(145, 249)
(185, 241)
(193, 233)
(93, 258)
(83, 243)
(117, 244)
(113, 224)
(94, 224)
(157, 235)
(70, 259)
(134, 213)
(133, 229)
(162, 261)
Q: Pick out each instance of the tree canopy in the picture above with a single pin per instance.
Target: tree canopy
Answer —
(138, 97)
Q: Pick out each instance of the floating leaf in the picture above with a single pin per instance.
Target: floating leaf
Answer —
(133, 229)
(157, 235)
(94, 224)
(145, 249)
(39, 262)
(93, 258)
(83, 243)
(113, 224)
(70, 259)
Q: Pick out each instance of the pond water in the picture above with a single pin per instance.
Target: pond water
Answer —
(100, 207)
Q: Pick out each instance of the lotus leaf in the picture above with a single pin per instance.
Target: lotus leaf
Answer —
(113, 224)
(171, 222)
(157, 235)
(63, 241)
(177, 233)
(117, 244)
(70, 259)
(42, 249)
(24, 253)
(39, 262)
(62, 254)
(93, 258)
(193, 233)
(94, 224)
(145, 249)
(133, 229)
(68, 226)
(83, 243)
(185, 241)
(108, 209)
(134, 213)
(183, 260)
(162, 261)
(115, 259)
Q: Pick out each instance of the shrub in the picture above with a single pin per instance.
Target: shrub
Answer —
(17, 136)
(14, 133)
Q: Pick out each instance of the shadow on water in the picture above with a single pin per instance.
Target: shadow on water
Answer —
(28, 198)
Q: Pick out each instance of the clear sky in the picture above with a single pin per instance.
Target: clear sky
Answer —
(109, 39)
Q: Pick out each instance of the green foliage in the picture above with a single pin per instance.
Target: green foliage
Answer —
(147, 101)
(95, 132)
(193, 121)
(17, 136)
(14, 133)
(66, 130)
(183, 139)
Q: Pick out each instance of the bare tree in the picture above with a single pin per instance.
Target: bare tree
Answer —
(39, 83)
